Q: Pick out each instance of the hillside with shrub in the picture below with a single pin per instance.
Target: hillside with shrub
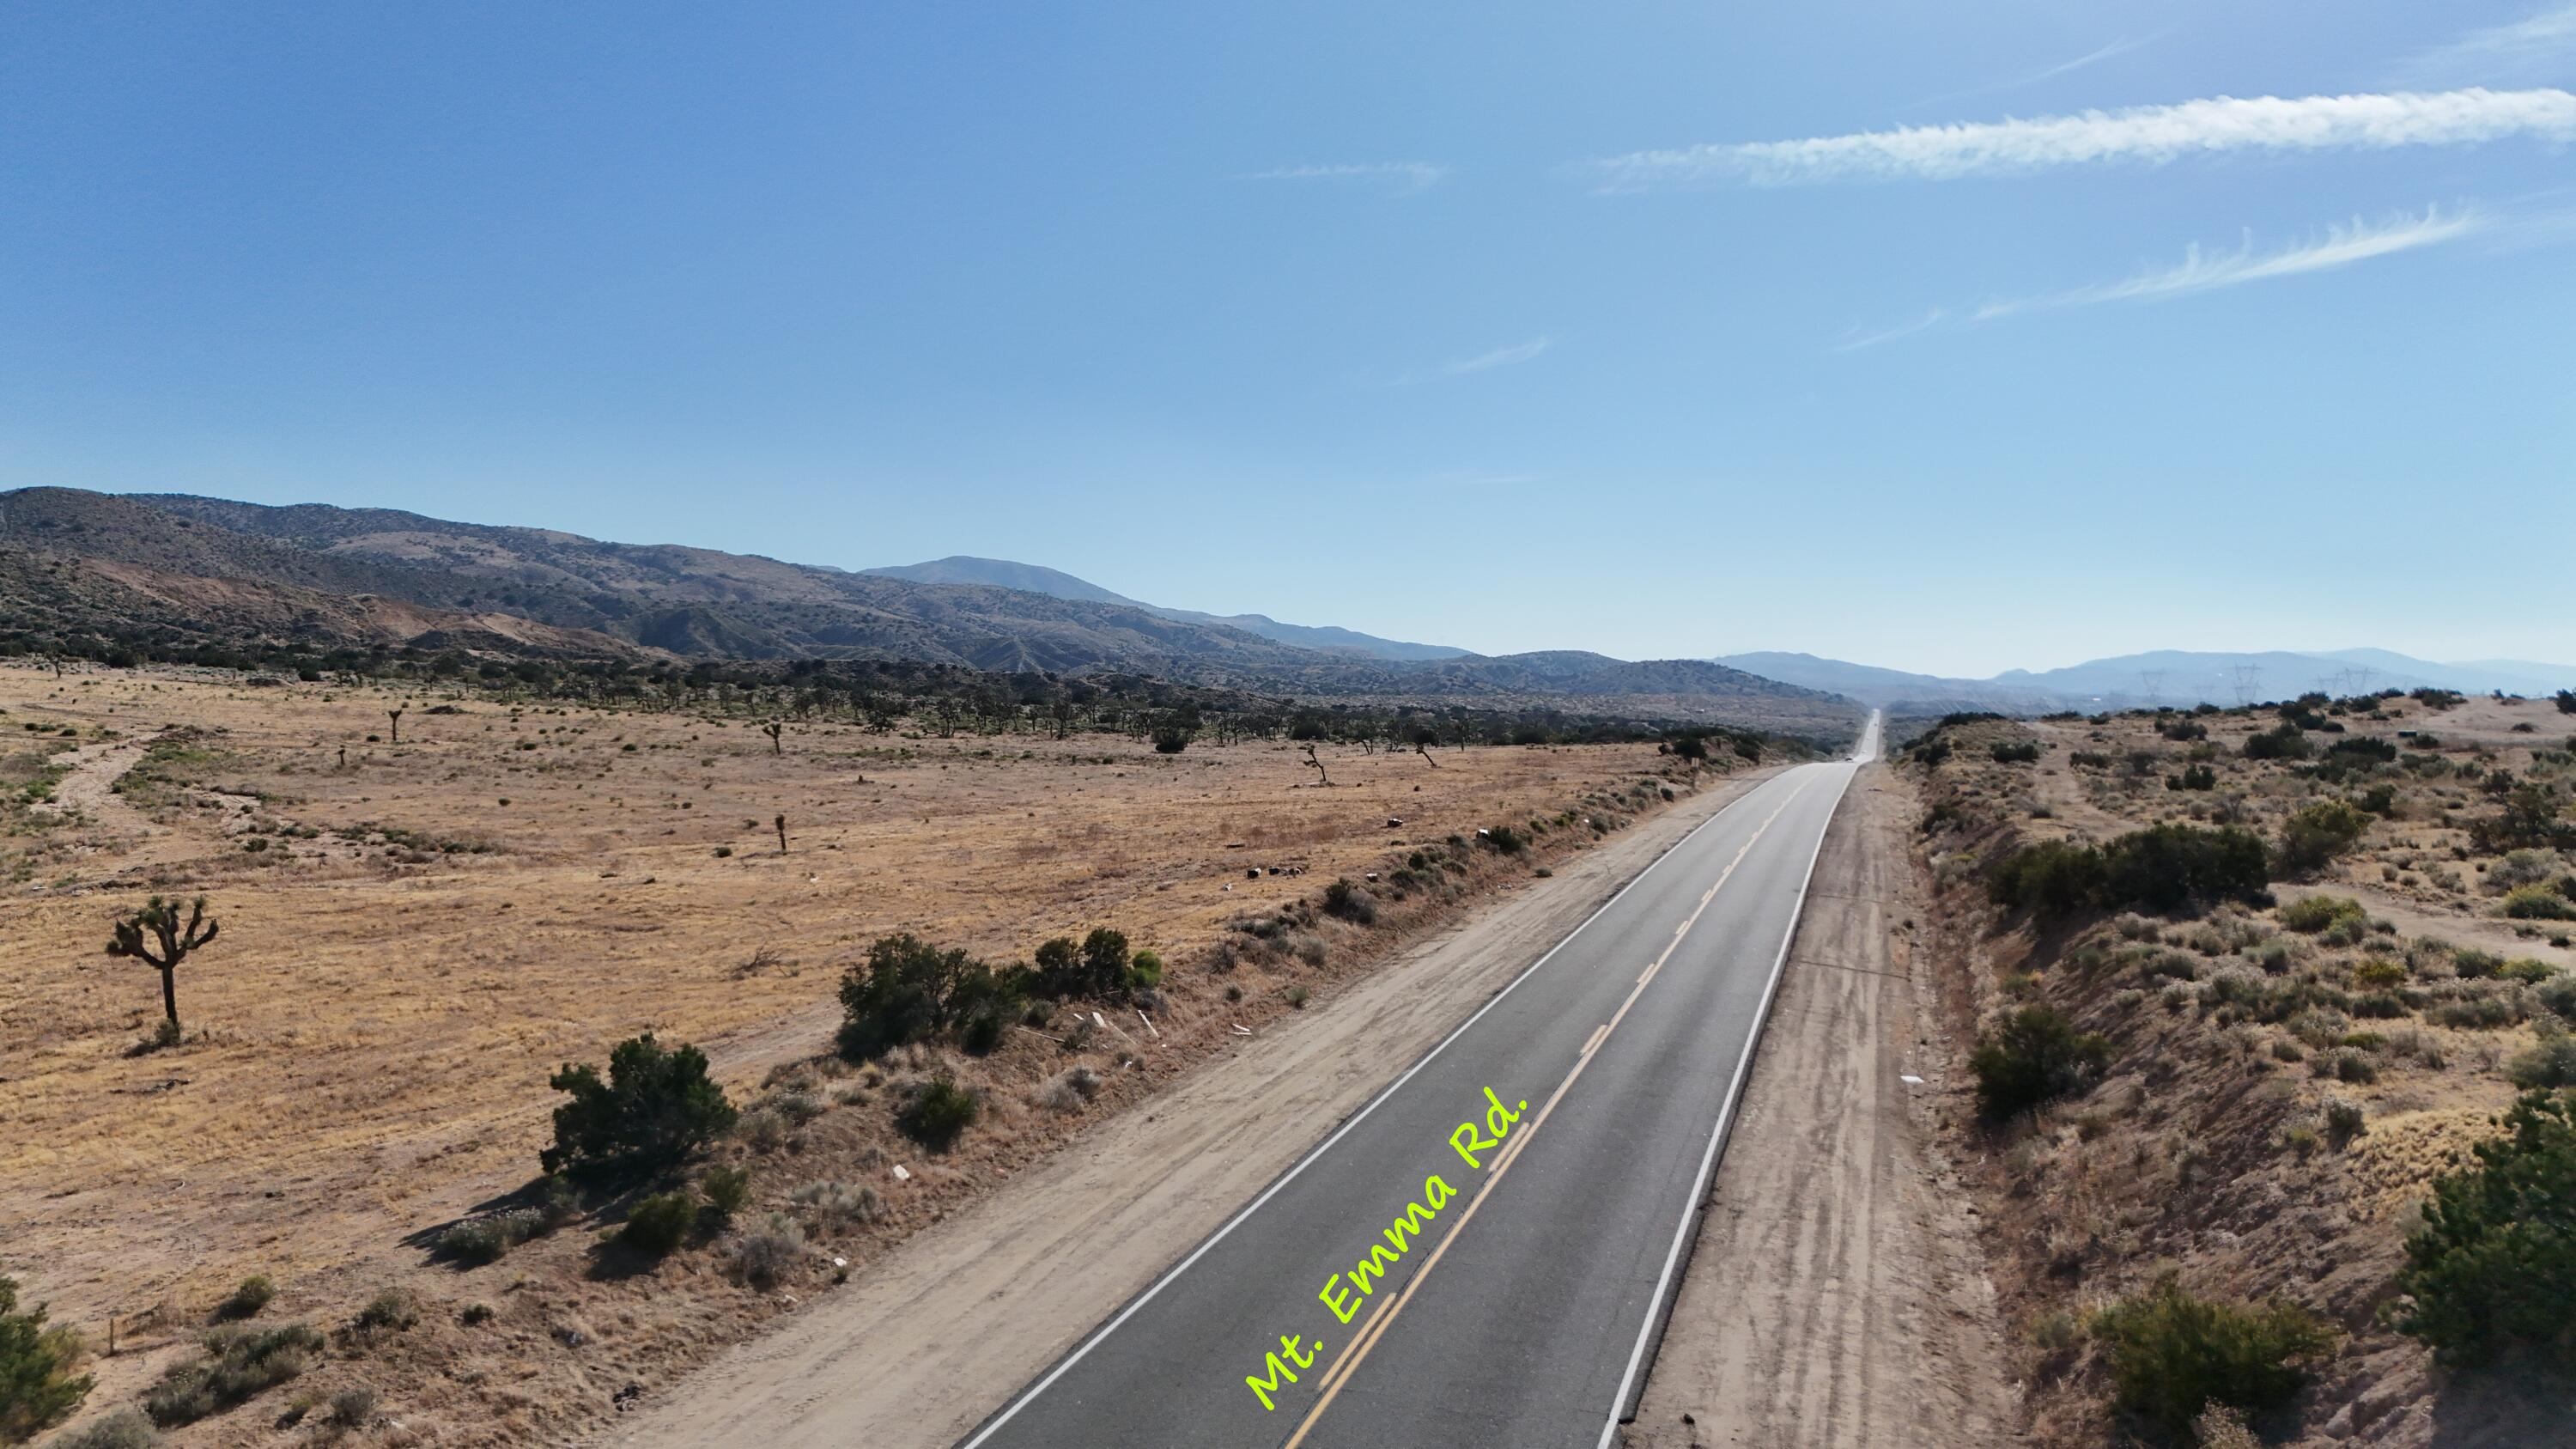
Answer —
(2269, 1089)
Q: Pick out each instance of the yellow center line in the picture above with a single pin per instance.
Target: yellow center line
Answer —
(1378, 1322)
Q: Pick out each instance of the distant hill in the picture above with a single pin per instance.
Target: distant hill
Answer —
(1002, 573)
(2169, 676)
(173, 569)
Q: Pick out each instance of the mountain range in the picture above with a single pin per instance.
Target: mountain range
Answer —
(1002, 573)
(2167, 676)
(170, 568)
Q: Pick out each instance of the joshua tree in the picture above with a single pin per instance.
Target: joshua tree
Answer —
(781, 823)
(774, 729)
(1318, 764)
(396, 716)
(161, 919)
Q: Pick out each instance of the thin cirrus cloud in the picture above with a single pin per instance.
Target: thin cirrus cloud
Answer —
(2540, 46)
(2207, 271)
(2203, 270)
(1403, 178)
(1511, 356)
(2115, 49)
(1858, 339)
(2151, 135)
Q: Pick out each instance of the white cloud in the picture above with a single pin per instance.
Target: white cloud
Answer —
(2203, 271)
(1855, 343)
(2206, 271)
(2121, 46)
(1405, 177)
(2151, 135)
(2539, 47)
(1499, 357)
(1511, 356)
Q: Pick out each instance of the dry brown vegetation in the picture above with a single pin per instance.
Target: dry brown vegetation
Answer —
(2283, 1081)
(414, 936)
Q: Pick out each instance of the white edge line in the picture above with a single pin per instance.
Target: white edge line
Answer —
(1725, 1118)
(994, 1425)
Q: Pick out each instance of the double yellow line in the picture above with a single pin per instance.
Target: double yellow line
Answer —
(1384, 1315)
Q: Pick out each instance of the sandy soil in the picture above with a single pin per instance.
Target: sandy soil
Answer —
(948, 1326)
(1837, 1294)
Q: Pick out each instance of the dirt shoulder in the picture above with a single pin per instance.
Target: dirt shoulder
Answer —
(941, 1330)
(1837, 1294)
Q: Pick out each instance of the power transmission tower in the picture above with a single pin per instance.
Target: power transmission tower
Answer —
(2154, 680)
(2249, 682)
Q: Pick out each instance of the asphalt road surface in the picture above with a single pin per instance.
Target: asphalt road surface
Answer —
(1484, 1254)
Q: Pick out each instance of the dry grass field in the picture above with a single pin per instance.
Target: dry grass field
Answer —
(2284, 1082)
(415, 934)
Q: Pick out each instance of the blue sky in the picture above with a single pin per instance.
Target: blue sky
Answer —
(1945, 337)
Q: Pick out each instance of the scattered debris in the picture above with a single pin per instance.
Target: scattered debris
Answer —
(902, 1173)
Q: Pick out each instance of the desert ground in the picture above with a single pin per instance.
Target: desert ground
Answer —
(423, 917)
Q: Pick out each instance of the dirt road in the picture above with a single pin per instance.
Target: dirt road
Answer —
(1837, 1295)
(943, 1330)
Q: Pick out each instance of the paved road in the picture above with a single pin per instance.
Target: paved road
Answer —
(1517, 1303)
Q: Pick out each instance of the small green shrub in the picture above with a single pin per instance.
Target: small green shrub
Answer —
(248, 1298)
(2313, 914)
(1348, 902)
(482, 1240)
(2472, 963)
(658, 1225)
(37, 1385)
(2281, 743)
(2051, 880)
(1506, 839)
(2172, 1354)
(353, 1407)
(940, 1115)
(2014, 752)
(655, 1108)
(2193, 777)
(2495, 1262)
(840, 1203)
(2168, 867)
(2034, 1056)
(125, 1429)
(2318, 833)
(2538, 903)
(727, 1189)
(237, 1363)
(394, 1310)
(764, 1254)
(2550, 1064)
